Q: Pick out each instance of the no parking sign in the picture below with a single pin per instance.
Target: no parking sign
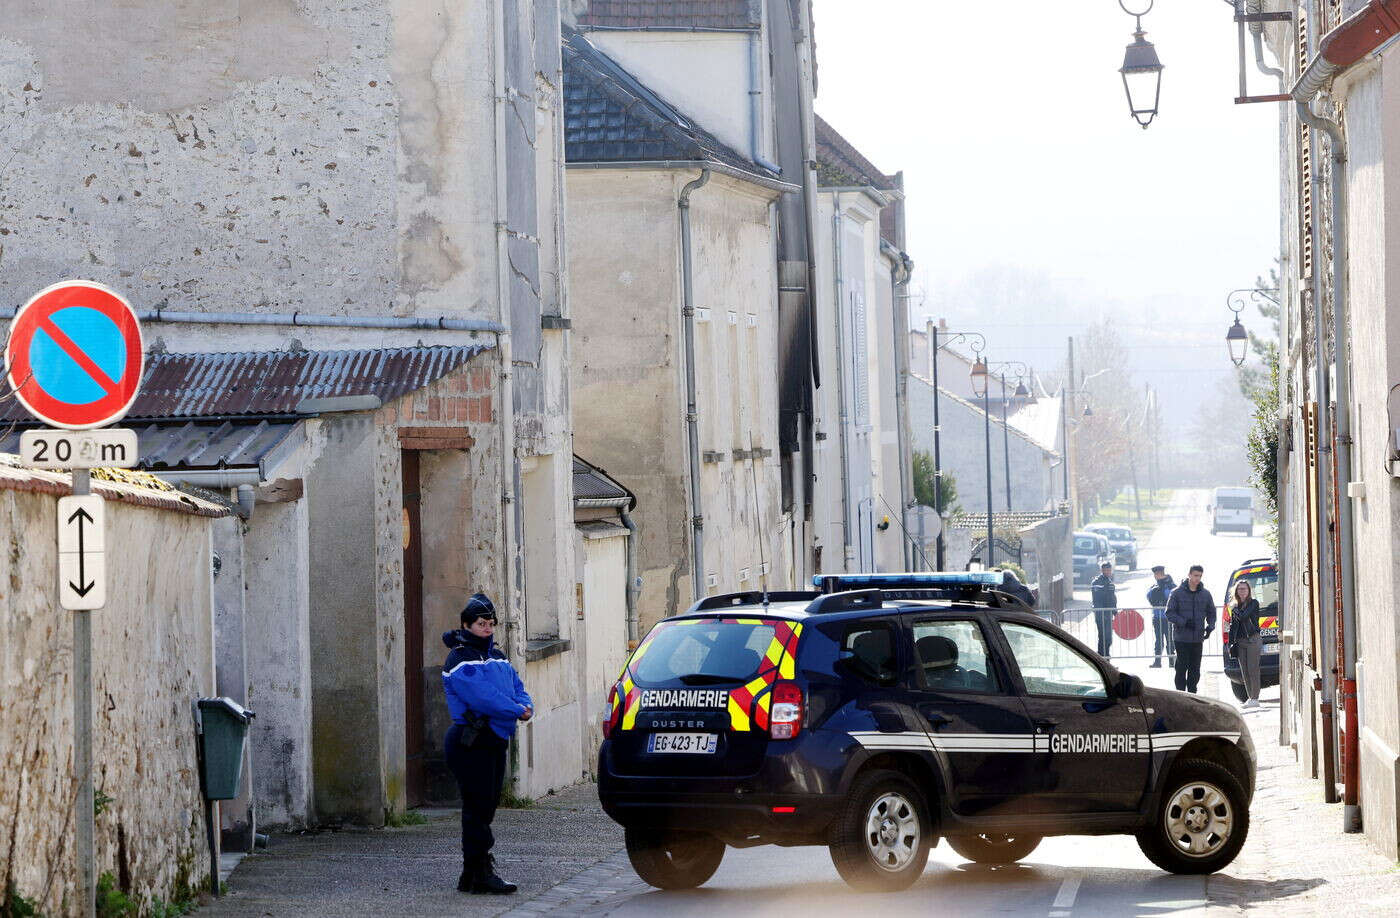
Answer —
(74, 356)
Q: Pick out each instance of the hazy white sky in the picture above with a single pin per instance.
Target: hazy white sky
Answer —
(1024, 171)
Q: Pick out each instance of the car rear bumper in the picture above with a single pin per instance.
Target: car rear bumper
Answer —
(733, 818)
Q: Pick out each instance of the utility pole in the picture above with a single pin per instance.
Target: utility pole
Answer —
(1073, 497)
(1005, 443)
(932, 336)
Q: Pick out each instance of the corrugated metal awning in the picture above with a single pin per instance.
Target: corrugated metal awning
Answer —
(190, 445)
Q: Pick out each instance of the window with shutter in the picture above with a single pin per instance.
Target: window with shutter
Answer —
(860, 365)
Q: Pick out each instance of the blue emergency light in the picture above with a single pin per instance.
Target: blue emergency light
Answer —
(907, 581)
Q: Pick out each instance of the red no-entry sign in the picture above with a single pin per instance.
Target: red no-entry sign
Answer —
(1128, 624)
(74, 355)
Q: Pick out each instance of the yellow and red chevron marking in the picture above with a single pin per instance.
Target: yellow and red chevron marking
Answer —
(1268, 621)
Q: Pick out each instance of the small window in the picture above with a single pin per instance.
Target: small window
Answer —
(871, 650)
(1049, 666)
(952, 657)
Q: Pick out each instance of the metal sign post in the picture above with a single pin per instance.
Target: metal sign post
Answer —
(74, 359)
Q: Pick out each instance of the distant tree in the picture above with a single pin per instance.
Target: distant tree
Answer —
(923, 485)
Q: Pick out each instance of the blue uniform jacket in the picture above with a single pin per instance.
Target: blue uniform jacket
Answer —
(479, 679)
(1158, 595)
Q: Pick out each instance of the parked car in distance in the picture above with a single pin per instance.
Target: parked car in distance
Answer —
(1262, 575)
(1090, 551)
(1121, 540)
(1232, 509)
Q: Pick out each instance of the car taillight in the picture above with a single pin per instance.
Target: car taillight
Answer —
(785, 712)
(611, 713)
(1225, 623)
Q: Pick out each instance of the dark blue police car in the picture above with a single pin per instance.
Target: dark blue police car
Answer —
(883, 712)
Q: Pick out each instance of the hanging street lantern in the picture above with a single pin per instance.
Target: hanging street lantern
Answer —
(1021, 390)
(979, 378)
(1237, 340)
(1142, 72)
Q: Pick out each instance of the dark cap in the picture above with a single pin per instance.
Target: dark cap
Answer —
(479, 606)
(1105, 564)
(1158, 569)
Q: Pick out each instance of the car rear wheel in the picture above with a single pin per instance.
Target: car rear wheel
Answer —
(673, 860)
(994, 849)
(880, 839)
(1202, 820)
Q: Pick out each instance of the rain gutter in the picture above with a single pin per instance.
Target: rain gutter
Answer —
(761, 181)
(441, 323)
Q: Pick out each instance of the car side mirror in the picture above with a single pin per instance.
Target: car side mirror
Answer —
(1129, 686)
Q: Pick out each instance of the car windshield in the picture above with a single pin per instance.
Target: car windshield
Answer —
(1116, 535)
(701, 651)
(1085, 545)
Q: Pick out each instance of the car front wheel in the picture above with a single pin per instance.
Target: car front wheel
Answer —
(1202, 820)
(880, 839)
(673, 860)
(994, 849)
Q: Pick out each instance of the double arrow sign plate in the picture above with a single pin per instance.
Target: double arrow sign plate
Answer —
(82, 580)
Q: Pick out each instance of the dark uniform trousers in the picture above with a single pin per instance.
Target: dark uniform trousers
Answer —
(480, 770)
(1103, 621)
(1162, 633)
(1188, 665)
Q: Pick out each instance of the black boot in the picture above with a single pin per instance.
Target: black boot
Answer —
(464, 882)
(485, 880)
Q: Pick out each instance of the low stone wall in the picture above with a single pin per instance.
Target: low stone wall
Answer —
(152, 657)
(1046, 551)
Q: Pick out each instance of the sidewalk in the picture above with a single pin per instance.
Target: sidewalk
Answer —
(413, 871)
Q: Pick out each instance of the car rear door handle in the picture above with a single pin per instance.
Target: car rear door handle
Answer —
(937, 720)
(1046, 725)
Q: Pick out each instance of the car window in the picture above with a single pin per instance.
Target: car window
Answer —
(1085, 545)
(952, 657)
(1049, 666)
(872, 651)
(1234, 503)
(708, 650)
(1263, 585)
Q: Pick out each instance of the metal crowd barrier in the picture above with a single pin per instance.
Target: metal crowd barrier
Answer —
(1133, 633)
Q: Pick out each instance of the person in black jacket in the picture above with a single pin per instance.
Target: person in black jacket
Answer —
(1012, 585)
(1245, 639)
(486, 700)
(1105, 596)
(1191, 610)
(1157, 597)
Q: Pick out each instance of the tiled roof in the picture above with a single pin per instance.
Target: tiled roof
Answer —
(190, 445)
(262, 383)
(841, 164)
(672, 14)
(610, 117)
(594, 487)
(129, 487)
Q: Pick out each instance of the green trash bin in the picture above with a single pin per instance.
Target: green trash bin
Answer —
(223, 731)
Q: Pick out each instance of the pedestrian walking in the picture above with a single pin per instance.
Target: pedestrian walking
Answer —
(1105, 599)
(1245, 640)
(1191, 611)
(1157, 597)
(486, 700)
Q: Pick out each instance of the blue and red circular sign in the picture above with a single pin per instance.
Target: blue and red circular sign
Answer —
(74, 356)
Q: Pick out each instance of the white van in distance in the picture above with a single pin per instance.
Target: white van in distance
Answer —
(1232, 509)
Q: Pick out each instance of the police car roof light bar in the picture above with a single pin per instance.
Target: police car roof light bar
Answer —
(835, 583)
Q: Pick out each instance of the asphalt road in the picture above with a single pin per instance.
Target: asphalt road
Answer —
(1075, 875)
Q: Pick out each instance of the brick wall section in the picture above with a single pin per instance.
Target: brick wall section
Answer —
(465, 396)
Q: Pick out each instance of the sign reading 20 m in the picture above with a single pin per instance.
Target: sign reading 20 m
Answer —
(74, 356)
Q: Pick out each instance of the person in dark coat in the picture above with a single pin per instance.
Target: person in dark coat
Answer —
(1105, 596)
(1246, 641)
(1157, 597)
(486, 700)
(1012, 584)
(1191, 611)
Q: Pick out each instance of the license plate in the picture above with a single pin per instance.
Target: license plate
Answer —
(701, 743)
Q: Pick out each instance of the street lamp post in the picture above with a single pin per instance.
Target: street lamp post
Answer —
(1021, 392)
(980, 388)
(933, 349)
(1141, 72)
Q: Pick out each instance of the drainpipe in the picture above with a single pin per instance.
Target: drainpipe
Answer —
(900, 299)
(1318, 75)
(847, 550)
(697, 515)
(505, 410)
(633, 584)
(1256, 29)
(756, 101)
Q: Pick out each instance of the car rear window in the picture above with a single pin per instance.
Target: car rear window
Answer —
(1234, 503)
(1263, 585)
(704, 651)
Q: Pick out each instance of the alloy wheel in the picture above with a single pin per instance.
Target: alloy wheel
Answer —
(892, 831)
